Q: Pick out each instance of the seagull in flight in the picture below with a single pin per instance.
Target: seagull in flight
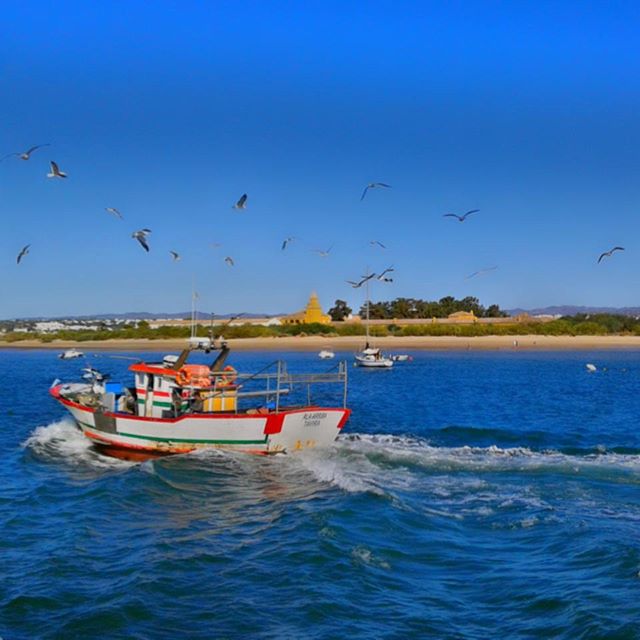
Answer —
(321, 253)
(461, 218)
(608, 254)
(25, 155)
(141, 237)
(286, 242)
(23, 253)
(229, 261)
(382, 278)
(175, 255)
(373, 185)
(114, 212)
(378, 243)
(242, 203)
(480, 272)
(55, 171)
(357, 285)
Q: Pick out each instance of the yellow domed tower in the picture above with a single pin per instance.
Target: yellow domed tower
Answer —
(312, 313)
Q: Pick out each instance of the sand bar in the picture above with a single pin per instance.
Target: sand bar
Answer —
(353, 343)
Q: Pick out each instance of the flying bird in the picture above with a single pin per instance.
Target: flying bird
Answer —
(373, 185)
(382, 278)
(229, 261)
(55, 171)
(175, 255)
(141, 237)
(608, 254)
(357, 285)
(242, 203)
(25, 155)
(461, 218)
(23, 253)
(114, 212)
(321, 253)
(286, 242)
(480, 272)
(377, 242)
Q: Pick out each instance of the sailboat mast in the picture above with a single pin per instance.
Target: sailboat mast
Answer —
(367, 293)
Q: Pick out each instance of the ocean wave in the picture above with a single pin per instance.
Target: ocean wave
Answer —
(62, 441)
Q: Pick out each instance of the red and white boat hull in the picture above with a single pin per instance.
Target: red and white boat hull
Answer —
(274, 432)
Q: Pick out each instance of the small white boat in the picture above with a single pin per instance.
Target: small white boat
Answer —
(374, 358)
(400, 357)
(326, 354)
(70, 354)
(591, 368)
(371, 357)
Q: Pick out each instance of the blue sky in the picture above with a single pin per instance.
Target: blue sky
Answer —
(169, 111)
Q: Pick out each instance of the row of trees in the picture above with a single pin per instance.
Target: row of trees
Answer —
(415, 308)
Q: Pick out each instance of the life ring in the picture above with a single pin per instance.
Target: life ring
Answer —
(228, 378)
(183, 377)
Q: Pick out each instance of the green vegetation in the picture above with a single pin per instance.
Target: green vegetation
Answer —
(401, 308)
(597, 324)
(339, 311)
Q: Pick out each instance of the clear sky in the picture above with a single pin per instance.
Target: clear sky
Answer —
(170, 111)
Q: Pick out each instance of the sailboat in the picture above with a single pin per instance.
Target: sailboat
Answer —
(371, 356)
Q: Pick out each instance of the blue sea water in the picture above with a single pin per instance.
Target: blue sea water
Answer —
(471, 495)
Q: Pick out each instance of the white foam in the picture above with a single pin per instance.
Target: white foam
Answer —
(407, 450)
(64, 441)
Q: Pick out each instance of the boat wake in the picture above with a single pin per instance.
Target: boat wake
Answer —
(62, 441)
(382, 463)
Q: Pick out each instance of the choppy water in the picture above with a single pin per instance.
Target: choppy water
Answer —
(470, 496)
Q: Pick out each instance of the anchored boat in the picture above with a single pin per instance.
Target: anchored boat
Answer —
(71, 354)
(176, 407)
(371, 357)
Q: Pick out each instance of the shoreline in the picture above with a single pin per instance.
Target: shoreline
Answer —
(354, 343)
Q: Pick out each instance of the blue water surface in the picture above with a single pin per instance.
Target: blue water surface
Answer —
(471, 495)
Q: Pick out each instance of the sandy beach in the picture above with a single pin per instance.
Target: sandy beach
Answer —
(349, 343)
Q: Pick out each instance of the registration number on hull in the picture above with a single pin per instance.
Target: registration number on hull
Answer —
(313, 419)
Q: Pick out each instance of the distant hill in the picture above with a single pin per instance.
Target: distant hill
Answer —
(146, 315)
(571, 310)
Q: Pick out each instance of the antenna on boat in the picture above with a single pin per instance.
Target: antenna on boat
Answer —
(194, 297)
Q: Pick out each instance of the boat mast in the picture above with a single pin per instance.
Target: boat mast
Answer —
(367, 322)
(194, 297)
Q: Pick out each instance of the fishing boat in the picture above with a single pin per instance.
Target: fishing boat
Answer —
(176, 407)
(71, 354)
(370, 356)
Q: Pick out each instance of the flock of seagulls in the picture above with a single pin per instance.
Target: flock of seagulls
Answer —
(141, 235)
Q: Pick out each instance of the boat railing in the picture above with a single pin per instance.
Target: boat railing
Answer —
(276, 383)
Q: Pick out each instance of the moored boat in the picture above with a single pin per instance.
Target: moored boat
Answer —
(373, 357)
(326, 354)
(175, 407)
(71, 354)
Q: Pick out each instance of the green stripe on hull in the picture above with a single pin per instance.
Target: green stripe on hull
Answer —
(192, 441)
(180, 441)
